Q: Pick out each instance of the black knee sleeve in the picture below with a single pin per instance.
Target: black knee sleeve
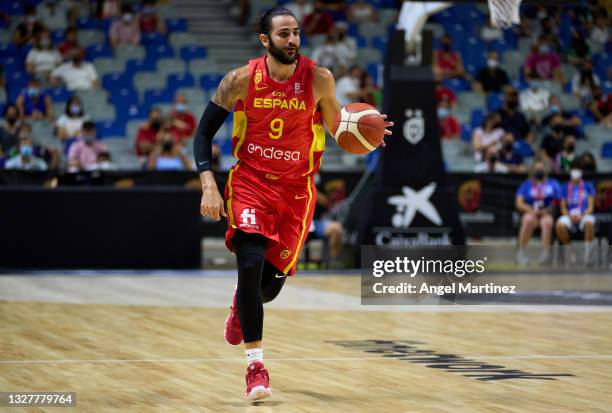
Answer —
(272, 281)
(250, 251)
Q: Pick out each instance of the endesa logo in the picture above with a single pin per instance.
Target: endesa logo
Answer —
(273, 153)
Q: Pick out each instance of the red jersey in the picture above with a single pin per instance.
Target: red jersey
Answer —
(278, 131)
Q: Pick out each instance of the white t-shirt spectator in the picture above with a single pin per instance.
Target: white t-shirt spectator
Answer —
(76, 78)
(44, 60)
(534, 100)
(35, 164)
(584, 91)
(72, 125)
(56, 19)
(346, 85)
(299, 10)
(486, 139)
(599, 35)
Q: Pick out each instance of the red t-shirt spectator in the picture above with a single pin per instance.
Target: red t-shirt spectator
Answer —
(543, 66)
(444, 94)
(148, 22)
(67, 47)
(448, 61)
(145, 134)
(449, 127)
(319, 22)
(186, 127)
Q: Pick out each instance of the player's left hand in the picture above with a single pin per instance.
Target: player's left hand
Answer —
(388, 124)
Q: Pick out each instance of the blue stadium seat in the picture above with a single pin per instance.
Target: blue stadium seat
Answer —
(477, 117)
(361, 41)
(466, 133)
(57, 36)
(116, 80)
(13, 64)
(380, 43)
(126, 113)
(124, 97)
(606, 150)
(193, 52)
(210, 81)
(523, 148)
(178, 80)
(110, 128)
(12, 7)
(176, 25)
(586, 117)
(139, 65)
(153, 39)
(98, 50)
(152, 97)
(59, 94)
(15, 83)
(457, 85)
(159, 52)
(495, 101)
(373, 71)
(10, 50)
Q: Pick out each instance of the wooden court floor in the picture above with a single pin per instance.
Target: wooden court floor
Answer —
(143, 344)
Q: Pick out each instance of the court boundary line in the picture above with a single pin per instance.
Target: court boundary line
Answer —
(300, 359)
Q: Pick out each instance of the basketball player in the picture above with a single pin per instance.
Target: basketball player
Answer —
(280, 102)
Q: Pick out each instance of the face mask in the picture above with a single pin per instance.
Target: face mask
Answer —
(557, 128)
(45, 43)
(11, 120)
(493, 159)
(539, 174)
(156, 125)
(25, 150)
(89, 139)
(508, 147)
(544, 49)
(512, 104)
(446, 47)
(33, 91)
(442, 112)
(570, 147)
(77, 60)
(492, 63)
(167, 146)
(555, 109)
(576, 174)
(75, 109)
(127, 17)
(180, 107)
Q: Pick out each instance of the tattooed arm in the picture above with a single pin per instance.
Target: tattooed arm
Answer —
(233, 87)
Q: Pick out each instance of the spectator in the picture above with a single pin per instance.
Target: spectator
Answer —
(126, 29)
(512, 120)
(29, 29)
(548, 30)
(319, 22)
(348, 88)
(577, 204)
(70, 123)
(587, 162)
(491, 78)
(584, 82)
(488, 33)
(346, 46)
(26, 160)
(83, 153)
(600, 32)
(168, 156)
(54, 13)
(104, 162)
(370, 93)
(553, 141)
(544, 63)
(362, 11)
(326, 54)
(534, 100)
(570, 122)
(567, 155)
(491, 163)
(445, 94)
(448, 124)
(76, 74)
(578, 52)
(447, 62)
(147, 136)
(535, 199)
(488, 135)
(70, 45)
(9, 130)
(300, 8)
(509, 157)
(43, 57)
(601, 107)
(150, 22)
(108, 9)
(33, 103)
(183, 121)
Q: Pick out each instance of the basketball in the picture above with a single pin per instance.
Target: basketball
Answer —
(359, 128)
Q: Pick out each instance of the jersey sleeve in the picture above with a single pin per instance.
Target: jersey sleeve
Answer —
(523, 190)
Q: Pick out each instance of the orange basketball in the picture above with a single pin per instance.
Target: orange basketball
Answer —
(359, 128)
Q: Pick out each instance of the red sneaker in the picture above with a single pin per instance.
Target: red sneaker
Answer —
(258, 382)
(233, 332)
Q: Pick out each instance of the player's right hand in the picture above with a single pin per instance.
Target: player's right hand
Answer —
(212, 203)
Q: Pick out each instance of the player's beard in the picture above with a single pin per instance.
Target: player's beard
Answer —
(280, 55)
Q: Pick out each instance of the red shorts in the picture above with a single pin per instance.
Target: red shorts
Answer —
(275, 208)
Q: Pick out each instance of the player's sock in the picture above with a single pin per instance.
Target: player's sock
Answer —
(253, 355)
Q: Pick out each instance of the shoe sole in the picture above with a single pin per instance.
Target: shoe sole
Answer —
(258, 393)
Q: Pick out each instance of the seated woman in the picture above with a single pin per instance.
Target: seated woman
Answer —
(70, 123)
(486, 136)
(535, 200)
(33, 103)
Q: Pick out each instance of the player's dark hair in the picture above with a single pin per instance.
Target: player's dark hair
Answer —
(263, 25)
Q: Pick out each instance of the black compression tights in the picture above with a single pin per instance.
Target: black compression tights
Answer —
(257, 283)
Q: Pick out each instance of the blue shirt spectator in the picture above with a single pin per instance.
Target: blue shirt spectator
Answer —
(539, 194)
(576, 195)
